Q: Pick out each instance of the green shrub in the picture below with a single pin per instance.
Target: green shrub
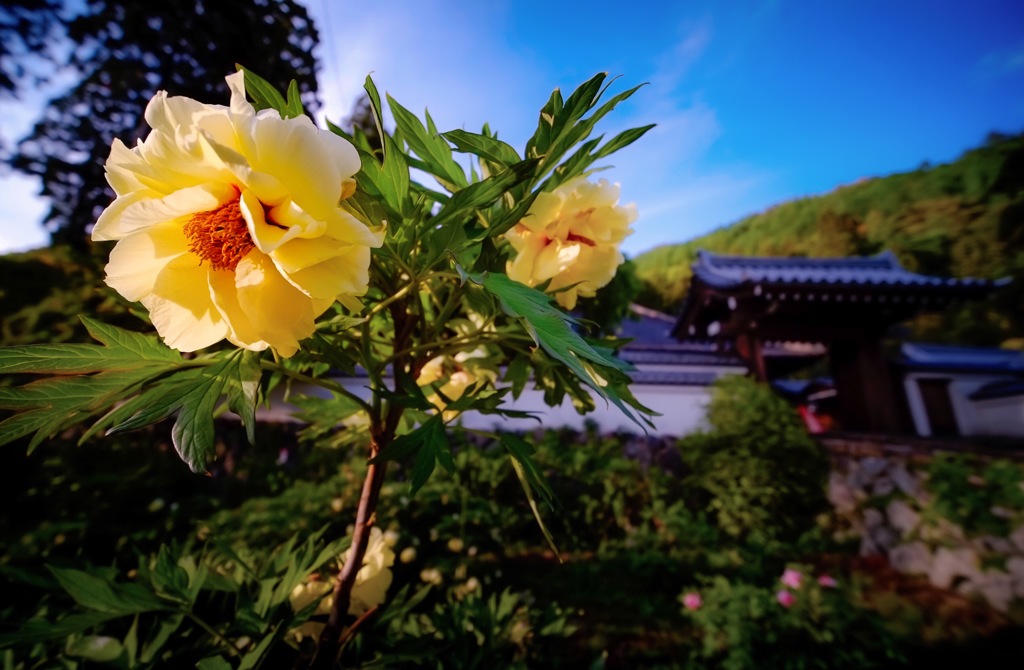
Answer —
(982, 497)
(756, 471)
(806, 623)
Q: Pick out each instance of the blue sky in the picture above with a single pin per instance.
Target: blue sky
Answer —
(757, 102)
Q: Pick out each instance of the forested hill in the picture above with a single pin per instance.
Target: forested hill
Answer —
(962, 219)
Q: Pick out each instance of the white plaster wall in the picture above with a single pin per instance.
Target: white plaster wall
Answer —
(682, 408)
(1000, 417)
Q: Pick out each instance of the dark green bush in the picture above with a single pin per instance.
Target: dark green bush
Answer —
(756, 471)
(983, 497)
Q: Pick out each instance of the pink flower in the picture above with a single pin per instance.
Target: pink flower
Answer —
(692, 601)
(792, 578)
(827, 581)
(785, 598)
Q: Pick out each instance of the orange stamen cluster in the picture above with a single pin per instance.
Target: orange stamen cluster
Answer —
(219, 236)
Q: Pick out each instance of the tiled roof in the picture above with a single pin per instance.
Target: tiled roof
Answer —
(679, 357)
(883, 269)
(673, 378)
(944, 357)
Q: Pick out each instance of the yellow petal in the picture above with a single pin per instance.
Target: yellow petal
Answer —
(241, 331)
(135, 212)
(138, 258)
(267, 236)
(553, 259)
(345, 273)
(182, 311)
(346, 228)
(279, 312)
(310, 163)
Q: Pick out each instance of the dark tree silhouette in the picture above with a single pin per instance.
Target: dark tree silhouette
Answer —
(27, 28)
(125, 52)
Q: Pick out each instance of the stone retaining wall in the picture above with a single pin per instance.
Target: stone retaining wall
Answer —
(880, 494)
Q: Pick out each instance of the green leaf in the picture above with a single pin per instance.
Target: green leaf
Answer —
(213, 663)
(577, 132)
(122, 350)
(517, 374)
(253, 658)
(101, 595)
(484, 193)
(550, 329)
(293, 107)
(92, 379)
(433, 151)
(262, 93)
(40, 630)
(165, 626)
(168, 578)
(194, 394)
(243, 390)
(537, 145)
(99, 648)
(623, 139)
(391, 179)
(429, 442)
(375, 106)
(489, 148)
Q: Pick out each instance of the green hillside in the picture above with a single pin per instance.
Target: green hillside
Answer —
(962, 219)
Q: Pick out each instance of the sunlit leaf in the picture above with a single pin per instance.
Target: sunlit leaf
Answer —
(430, 147)
(551, 330)
(486, 147)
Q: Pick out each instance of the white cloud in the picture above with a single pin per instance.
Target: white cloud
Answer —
(453, 61)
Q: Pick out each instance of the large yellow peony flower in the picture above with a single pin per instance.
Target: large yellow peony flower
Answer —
(228, 224)
(571, 236)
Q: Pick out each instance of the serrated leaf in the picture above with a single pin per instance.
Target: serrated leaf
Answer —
(489, 148)
(434, 152)
(429, 443)
(194, 394)
(122, 350)
(92, 378)
(550, 329)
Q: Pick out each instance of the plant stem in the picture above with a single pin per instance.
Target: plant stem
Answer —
(383, 425)
(329, 642)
